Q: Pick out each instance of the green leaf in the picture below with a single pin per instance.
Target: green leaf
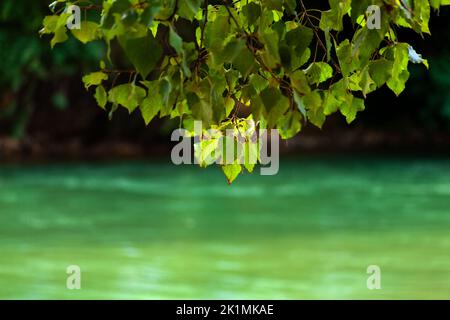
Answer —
(216, 31)
(200, 107)
(275, 104)
(351, 107)
(59, 37)
(231, 172)
(336, 96)
(252, 12)
(231, 51)
(299, 39)
(437, 3)
(143, 52)
(400, 74)
(251, 155)
(294, 51)
(359, 8)
(330, 103)
(367, 84)
(206, 152)
(270, 55)
(273, 4)
(347, 61)
(175, 41)
(300, 82)
(332, 19)
(166, 8)
(258, 82)
(129, 96)
(94, 79)
(149, 108)
(50, 24)
(422, 14)
(245, 62)
(188, 8)
(89, 31)
(56, 25)
(290, 6)
(153, 103)
(314, 106)
(101, 97)
(380, 71)
(364, 44)
(300, 104)
(398, 83)
(318, 72)
(289, 125)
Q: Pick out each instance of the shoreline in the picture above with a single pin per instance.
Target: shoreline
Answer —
(325, 142)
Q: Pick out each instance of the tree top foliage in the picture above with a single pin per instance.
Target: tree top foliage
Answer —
(281, 63)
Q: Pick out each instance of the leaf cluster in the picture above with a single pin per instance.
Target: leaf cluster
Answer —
(277, 62)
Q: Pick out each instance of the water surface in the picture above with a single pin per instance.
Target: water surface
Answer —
(157, 231)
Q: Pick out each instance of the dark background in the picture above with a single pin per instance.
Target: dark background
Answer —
(45, 112)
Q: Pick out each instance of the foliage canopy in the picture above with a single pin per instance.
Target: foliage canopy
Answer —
(279, 63)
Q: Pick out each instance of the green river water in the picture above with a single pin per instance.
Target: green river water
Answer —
(156, 231)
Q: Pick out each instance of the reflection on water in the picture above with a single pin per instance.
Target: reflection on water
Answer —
(159, 231)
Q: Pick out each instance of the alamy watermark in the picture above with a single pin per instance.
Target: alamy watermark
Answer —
(373, 17)
(374, 280)
(74, 20)
(373, 14)
(73, 281)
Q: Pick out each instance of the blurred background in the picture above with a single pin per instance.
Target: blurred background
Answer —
(78, 188)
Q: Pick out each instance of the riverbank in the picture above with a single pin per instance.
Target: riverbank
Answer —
(312, 141)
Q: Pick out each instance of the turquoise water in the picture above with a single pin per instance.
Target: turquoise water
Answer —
(156, 231)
